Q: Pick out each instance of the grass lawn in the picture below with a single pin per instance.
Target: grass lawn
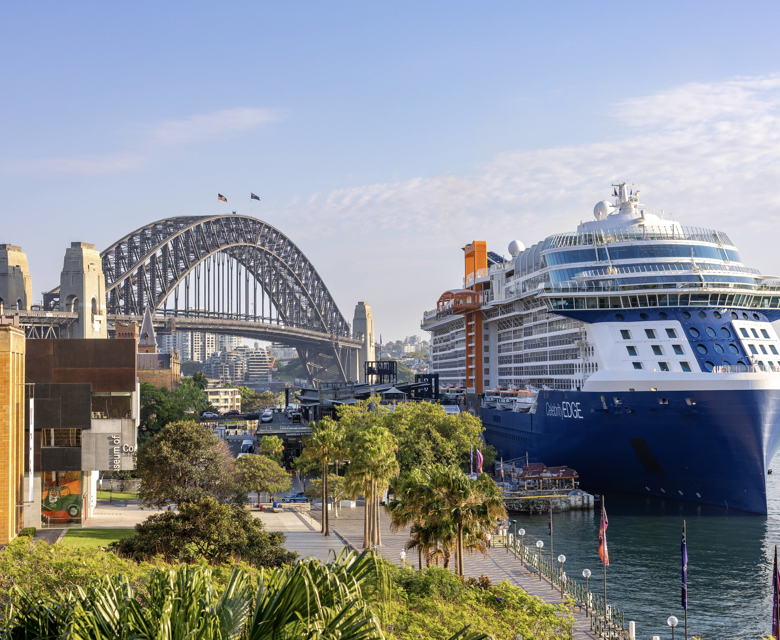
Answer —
(104, 494)
(93, 538)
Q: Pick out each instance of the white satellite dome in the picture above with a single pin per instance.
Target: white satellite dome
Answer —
(516, 247)
(602, 210)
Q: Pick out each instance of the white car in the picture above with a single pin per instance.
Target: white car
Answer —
(267, 416)
(208, 414)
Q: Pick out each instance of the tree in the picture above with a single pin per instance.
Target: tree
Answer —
(190, 396)
(157, 410)
(325, 444)
(184, 462)
(263, 475)
(337, 490)
(199, 380)
(206, 530)
(272, 446)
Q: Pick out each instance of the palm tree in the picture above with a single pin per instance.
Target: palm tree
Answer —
(372, 465)
(326, 443)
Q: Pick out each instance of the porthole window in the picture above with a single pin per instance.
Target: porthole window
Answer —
(644, 316)
(734, 315)
(686, 315)
(725, 332)
(741, 366)
(726, 363)
(717, 314)
(709, 366)
(694, 332)
(756, 316)
(702, 314)
(710, 332)
(663, 315)
(718, 349)
(744, 316)
(733, 348)
(701, 349)
(620, 317)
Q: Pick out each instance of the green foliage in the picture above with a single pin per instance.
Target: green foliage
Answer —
(28, 532)
(325, 444)
(337, 488)
(263, 475)
(199, 380)
(206, 530)
(190, 396)
(157, 410)
(272, 446)
(184, 462)
(94, 538)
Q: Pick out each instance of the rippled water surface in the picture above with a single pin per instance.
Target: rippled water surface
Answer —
(730, 558)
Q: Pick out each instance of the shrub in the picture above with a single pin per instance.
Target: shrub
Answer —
(28, 532)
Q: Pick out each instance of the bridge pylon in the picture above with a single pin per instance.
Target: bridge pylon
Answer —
(83, 290)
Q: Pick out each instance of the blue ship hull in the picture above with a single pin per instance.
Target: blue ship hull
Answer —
(716, 451)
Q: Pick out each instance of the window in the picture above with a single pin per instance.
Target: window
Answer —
(754, 332)
(718, 349)
(753, 349)
(626, 334)
(685, 367)
(637, 365)
(772, 349)
(733, 348)
(690, 402)
(734, 315)
(694, 332)
(710, 332)
(763, 349)
(702, 314)
(709, 366)
(725, 332)
(701, 349)
(765, 334)
(616, 400)
(657, 350)
(664, 366)
(744, 332)
(486, 360)
(686, 315)
(60, 437)
(108, 405)
(678, 350)
(663, 400)
(671, 333)
(631, 351)
(650, 333)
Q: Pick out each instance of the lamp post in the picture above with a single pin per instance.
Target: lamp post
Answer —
(672, 622)
(586, 575)
(562, 559)
(539, 545)
(521, 533)
(514, 539)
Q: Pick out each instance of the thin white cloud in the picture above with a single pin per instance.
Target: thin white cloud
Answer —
(156, 138)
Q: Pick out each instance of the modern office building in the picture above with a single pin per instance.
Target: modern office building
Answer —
(224, 398)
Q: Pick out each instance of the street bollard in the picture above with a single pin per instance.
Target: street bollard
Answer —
(632, 630)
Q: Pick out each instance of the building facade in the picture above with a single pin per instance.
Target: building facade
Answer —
(224, 399)
(12, 442)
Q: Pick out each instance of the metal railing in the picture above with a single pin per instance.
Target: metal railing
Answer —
(633, 234)
(606, 620)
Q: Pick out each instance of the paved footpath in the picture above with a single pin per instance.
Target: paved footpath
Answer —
(498, 564)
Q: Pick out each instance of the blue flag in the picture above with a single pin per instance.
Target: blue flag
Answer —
(684, 552)
(254, 197)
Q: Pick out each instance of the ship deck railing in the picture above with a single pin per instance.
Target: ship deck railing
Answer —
(635, 234)
(606, 620)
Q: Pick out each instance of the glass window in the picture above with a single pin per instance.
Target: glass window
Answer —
(631, 351)
(753, 349)
(650, 333)
(110, 405)
(701, 349)
(702, 314)
(637, 365)
(763, 349)
(765, 334)
(744, 332)
(663, 316)
(754, 332)
(694, 332)
(710, 332)
(60, 437)
(626, 334)
(717, 314)
(664, 366)
(709, 366)
(61, 501)
(734, 315)
(671, 333)
(733, 348)
(678, 349)
(657, 350)
(718, 349)
(686, 315)
(772, 349)
(685, 366)
(725, 332)
(620, 317)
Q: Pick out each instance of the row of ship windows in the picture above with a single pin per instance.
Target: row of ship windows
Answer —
(666, 300)
(640, 251)
(657, 350)
(665, 366)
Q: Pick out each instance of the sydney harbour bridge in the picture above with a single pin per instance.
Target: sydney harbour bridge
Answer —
(227, 274)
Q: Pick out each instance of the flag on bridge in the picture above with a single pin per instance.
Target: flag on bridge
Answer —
(254, 197)
(221, 197)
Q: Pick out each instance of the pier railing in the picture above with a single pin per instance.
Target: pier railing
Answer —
(606, 620)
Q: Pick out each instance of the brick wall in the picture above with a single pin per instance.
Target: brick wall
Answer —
(12, 350)
(167, 378)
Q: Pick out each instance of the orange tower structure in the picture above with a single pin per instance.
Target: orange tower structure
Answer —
(476, 268)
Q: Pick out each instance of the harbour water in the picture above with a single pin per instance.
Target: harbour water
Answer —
(729, 568)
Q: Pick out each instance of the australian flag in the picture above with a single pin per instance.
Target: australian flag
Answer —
(684, 552)
(254, 197)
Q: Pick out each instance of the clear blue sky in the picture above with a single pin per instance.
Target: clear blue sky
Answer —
(384, 136)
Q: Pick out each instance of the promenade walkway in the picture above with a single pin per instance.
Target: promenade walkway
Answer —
(498, 564)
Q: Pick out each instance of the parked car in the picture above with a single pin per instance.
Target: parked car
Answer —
(298, 497)
(267, 417)
(233, 412)
(209, 414)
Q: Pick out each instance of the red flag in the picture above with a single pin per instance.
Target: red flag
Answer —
(603, 551)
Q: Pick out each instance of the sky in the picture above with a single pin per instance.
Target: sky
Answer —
(383, 137)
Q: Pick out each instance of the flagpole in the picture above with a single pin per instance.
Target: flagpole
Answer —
(685, 611)
(604, 564)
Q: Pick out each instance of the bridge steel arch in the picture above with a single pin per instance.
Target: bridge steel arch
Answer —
(146, 268)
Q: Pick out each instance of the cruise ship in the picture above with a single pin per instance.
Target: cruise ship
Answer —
(636, 350)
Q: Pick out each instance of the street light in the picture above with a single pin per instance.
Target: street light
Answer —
(521, 533)
(586, 575)
(539, 545)
(514, 540)
(562, 559)
(672, 622)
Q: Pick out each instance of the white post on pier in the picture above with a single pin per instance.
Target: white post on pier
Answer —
(632, 630)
